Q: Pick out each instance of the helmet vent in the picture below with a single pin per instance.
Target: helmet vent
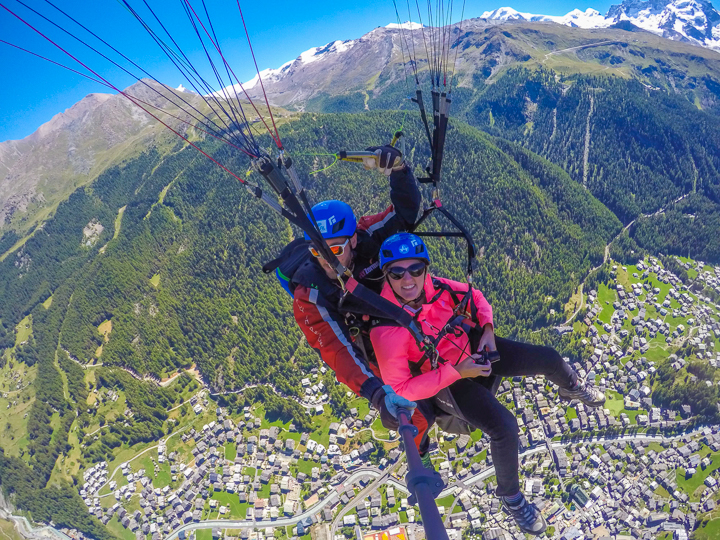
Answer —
(387, 253)
(338, 226)
(419, 249)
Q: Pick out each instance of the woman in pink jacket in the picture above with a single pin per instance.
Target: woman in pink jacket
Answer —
(455, 384)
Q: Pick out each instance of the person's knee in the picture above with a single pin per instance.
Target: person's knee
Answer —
(552, 360)
(505, 427)
(551, 355)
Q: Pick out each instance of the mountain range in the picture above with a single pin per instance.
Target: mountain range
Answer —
(693, 21)
(670, 56)
(561, 64)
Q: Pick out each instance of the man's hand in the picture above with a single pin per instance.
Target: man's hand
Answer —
(387, 159)
(387, 402)
(487, 340)
(393, 402)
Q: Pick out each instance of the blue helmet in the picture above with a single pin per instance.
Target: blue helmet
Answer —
(334, 219)
(403, 246)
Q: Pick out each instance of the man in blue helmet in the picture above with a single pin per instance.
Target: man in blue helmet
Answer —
(328, 320)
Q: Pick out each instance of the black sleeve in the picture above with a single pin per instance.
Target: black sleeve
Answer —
(407, 201)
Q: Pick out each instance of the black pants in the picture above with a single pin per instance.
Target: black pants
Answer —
(483, 411)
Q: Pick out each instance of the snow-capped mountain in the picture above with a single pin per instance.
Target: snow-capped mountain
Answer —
(696, 21)
(344, 75)
(269, 76)
(318, 68)
(582, 19)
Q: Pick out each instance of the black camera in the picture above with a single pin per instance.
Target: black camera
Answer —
(487, 357)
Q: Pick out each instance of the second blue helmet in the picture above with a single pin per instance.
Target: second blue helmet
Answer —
(334, 219)
(403, 246)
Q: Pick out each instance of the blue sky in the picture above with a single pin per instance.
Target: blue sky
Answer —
(33, 90)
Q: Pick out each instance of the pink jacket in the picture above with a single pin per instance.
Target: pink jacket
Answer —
(394, 346)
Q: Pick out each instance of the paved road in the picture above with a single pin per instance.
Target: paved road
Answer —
(360, 496)
(581, 47)
(134, 458)
(27, 530)
(199, 395)
(280, 522)
(280, 393)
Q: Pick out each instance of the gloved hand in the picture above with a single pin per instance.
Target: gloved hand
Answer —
(393, 402)
(387, 402)
(387, 159)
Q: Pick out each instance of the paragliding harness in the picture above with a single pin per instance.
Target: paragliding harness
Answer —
(448, 416)
(295, 254)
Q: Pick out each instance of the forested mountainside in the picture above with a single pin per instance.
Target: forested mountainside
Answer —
(43, 169)
(628, 114)
(636, 149)
(156, 266)
(186, 222)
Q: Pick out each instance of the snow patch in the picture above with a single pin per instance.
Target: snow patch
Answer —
(267, 75)
(509, 14)
(318, 53)
(589, 18)
(407, 25)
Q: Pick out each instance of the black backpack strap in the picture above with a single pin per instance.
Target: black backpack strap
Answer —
(290, 259)
(444, 287)
(455, 323)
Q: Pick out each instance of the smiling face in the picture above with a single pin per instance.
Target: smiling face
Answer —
(409, 286)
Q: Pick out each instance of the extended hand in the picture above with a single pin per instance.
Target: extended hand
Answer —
(387, 159)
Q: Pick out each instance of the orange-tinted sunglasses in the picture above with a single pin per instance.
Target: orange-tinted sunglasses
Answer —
(336, 250)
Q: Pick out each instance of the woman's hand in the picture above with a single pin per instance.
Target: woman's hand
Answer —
(487, 339)
(469, 368)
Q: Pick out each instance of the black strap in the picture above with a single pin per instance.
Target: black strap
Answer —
(292, 256)
(455, 322)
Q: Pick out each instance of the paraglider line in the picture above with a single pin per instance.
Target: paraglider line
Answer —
(262, 86)
(275, 137)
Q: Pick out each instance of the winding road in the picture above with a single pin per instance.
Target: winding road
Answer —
(164, 441)
(607, 252)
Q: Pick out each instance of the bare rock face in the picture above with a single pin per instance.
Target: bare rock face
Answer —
(337, 67)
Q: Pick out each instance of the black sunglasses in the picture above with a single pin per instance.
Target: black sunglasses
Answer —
(415, 270)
